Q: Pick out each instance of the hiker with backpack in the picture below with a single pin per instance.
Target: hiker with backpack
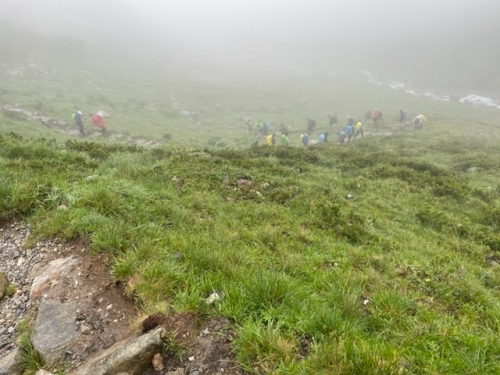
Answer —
(368, 115)
(349, 131)
(402, 117)
(304, 138)
(417, 122)
(359, 129)
(377, 115)
(284, 140)
(332, 120)
(341, 136)
(78, 117)
(267, 127)
(311, 124)
(271, 139)
(98, 121)
(323, 138)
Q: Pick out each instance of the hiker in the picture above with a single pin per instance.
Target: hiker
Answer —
(304, 138)
(350, 121)
(342, 135)
(349, 131)
(267, 126)
(311, 124)
(260, 127)
(402, 117)
(98, 121)
(250, 126)
(377, 115)
(283, 129)
(323, 138)
(271, 139)
(417, 122)
(284, 140)
(368, 114)
(332, 120)
(193, 116)
(359, 129)
(78, 116)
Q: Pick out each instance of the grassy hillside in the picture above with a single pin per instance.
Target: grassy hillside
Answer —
(376, 257)
(402, 278)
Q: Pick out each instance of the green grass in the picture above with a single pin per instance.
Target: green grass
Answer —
(401, 279)
(32, 360)
(397, 280)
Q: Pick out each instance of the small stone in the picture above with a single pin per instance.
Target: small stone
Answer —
(157, 362)
(108, 341)
(212, 298)
(191, 359)
(244, 184)
(109, 307)
(85, 330)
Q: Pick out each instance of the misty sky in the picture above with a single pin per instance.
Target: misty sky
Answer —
(240, 29)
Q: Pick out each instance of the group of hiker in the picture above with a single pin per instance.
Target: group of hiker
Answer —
(351, 131)
(418, 120)
(97, 120)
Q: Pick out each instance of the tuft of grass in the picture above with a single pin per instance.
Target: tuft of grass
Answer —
(11, 290)
(32, 360)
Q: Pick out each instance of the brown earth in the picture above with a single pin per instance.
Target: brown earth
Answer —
(106, 314)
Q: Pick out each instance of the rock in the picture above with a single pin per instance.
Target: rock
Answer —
(84, 329)
(11, 364)
(133, 356)
(244, 184)
(55, 329)
(349, 196)
(472, 170)
(4, 283)
(49, 275)
(43, 372)
(157, 362)
(108, 341)
(212, 298)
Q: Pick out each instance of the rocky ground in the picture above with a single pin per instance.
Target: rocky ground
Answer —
(106, 317)
(17, 263)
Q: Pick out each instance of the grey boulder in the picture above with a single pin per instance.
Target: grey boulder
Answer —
(55, 329)
(132, 357)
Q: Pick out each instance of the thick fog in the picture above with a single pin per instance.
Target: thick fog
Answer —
(393, 36)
